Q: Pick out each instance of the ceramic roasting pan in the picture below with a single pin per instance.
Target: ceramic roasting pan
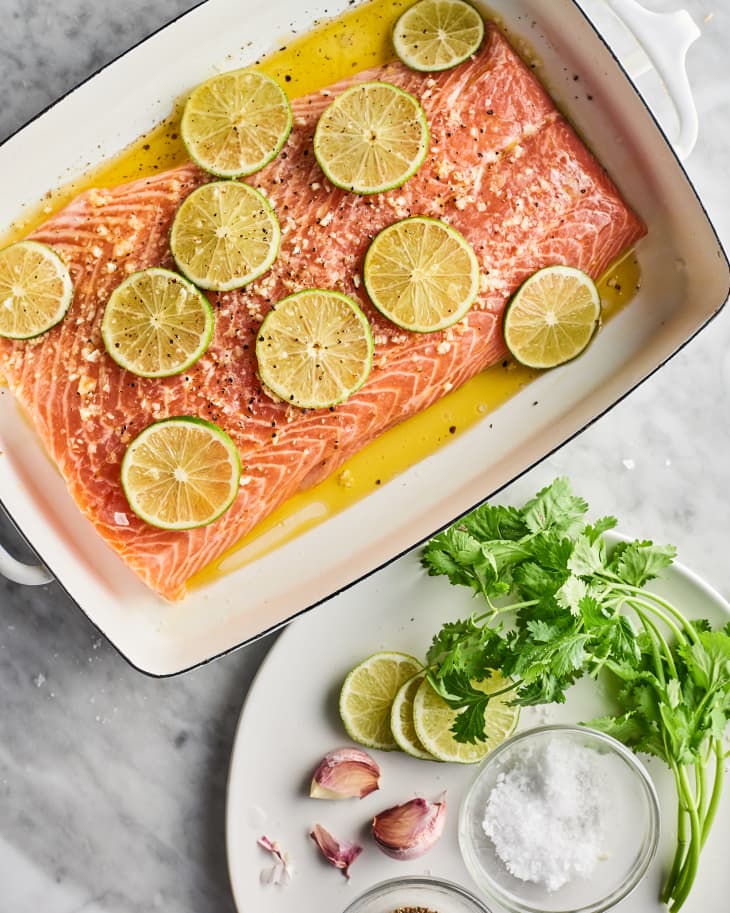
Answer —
(685, 281)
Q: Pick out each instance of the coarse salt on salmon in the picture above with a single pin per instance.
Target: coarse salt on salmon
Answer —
(504, 168)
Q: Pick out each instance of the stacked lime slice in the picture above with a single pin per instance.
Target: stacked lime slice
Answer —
(433, 719)
(387, 702)
(367, 696)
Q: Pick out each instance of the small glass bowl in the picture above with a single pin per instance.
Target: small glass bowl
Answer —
(418, 892)
(630, 838)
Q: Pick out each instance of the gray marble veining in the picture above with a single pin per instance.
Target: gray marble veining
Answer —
(112, 785)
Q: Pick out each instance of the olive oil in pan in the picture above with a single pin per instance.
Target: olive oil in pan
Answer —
(333, 50)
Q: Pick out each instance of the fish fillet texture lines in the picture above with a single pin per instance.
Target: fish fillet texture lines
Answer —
(504, 168)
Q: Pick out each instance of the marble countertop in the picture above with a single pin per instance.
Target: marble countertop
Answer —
(112, 784)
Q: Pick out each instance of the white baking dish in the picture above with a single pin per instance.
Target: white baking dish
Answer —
(685, 282)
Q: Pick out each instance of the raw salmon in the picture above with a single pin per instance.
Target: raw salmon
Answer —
(504, 168)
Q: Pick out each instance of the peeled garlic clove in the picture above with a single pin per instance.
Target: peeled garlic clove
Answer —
(344, 774)
(407, 831)
(340, 854)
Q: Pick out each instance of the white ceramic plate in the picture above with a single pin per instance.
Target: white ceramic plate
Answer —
(290, 721)
(685, 280)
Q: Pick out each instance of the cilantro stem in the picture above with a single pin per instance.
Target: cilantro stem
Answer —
(643, 598)
(677, 615)
(689, 869)
(681, 846)
(502, 610)
(716, 789)
(656, 641)
(512, 687)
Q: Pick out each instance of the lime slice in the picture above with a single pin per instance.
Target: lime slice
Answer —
(236, 123)
(35, 290)
(401, 719)
(156, 323)
(421, 274)
(433, 719)
(181, 473)
(314, 349)
(552, 317)
(367, 695)
(225, 235)
(371, 138)
(437, 34)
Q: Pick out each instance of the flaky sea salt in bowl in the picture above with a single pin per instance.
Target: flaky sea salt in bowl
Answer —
(559, 819)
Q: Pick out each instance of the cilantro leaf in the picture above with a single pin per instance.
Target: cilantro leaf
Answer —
(493, 521)
(555, 509)
(642, 561)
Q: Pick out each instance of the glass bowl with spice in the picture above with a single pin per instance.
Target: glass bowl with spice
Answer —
(559, 819)
(417, 894)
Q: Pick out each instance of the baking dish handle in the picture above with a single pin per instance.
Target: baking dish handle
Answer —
(18, 572)
(665, 39)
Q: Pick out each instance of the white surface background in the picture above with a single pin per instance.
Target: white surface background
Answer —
(112, 785)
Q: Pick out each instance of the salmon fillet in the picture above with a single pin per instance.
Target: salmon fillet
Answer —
(504, 168)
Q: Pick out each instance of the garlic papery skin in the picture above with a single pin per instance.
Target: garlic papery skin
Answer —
(409, 830)
(345, 773)
(340, 853)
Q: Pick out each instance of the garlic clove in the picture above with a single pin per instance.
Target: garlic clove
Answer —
(344, 774)
(340, 853)
(409, 830)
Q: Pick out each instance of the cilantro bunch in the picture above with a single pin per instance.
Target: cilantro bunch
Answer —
(562, 603)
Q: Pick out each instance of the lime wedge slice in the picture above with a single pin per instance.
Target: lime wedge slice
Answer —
(437, 34)
(367, 695)
(156, 323)
(371, 138)
(225, 235)
(552, 317)
(421, 274)
(314, 348)
(236, 123)
(401, 720)
(35, 290)
(181, 473)
(433, 719)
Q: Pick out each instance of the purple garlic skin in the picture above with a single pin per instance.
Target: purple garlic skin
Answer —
(409, 830)
(345, 773)
(339, 853)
